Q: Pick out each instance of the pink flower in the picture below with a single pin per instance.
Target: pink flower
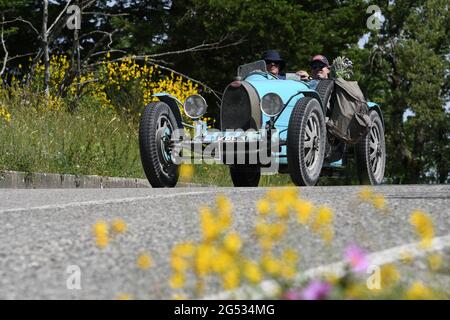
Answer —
(357, 258)
(316, 290)
(292, 295)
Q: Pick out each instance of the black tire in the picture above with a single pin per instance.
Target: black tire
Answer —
(325, 89)
(245, 176)
(334, 149)
(371, 153)
(306, 142)
(157, 121)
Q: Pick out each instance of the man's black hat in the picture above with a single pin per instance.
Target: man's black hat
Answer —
(273, 55)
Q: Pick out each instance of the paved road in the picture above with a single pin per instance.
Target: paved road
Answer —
(42, 232)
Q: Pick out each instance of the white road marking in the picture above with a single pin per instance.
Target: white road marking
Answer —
(378, 258)
(111, 201)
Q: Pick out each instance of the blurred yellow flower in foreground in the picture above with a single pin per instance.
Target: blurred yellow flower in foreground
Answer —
(282, 209)
(379, 202)
(100, 228)
(210, 228)
(119, 226)
(177, 280)
(365, 194)
(389, 275)
(252, 272)
(232, 242)
(184, 249)
(102, 241)
(424, 227)
(356, 291)
(418, 291)
(271, 265)
(304, 209)
(186, 171)
(203, 259)
(323, 219)
(101, 234)
(435, 261)
(221, 261)
(263, 207)
(231, 279)
(179, 297)
(144, 261)
(179, 264)
(224, 205)
(290, 256)
(123, 296)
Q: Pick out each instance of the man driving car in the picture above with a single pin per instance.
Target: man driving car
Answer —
(274, 63)
(320, 69)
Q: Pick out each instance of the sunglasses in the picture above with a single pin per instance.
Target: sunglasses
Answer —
(269, 62)
(318, 66)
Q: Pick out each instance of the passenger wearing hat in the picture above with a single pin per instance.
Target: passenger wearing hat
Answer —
(320, 68)
(274, 63)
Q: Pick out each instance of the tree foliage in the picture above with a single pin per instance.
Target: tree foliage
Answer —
(404, 66)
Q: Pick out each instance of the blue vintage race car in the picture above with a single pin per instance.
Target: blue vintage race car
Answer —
(266, 124)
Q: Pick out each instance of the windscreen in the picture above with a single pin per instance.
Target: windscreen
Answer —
(245, 69)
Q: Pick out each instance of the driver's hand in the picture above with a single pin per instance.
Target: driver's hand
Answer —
(303, 75)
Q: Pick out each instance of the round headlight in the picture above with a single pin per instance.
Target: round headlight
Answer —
(271, 104)
(195, 106)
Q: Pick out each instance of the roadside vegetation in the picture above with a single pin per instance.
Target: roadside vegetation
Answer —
(93, 129)
(123, 52)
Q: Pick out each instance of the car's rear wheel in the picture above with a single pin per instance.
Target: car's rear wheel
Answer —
(157, 126)
(333, 148)
(371, 153)
(245, 176)
(306, 142)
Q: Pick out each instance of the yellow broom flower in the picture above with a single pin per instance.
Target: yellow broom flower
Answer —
(144, 261)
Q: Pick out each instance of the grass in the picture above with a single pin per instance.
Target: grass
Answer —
(219, 175)
(87, 141)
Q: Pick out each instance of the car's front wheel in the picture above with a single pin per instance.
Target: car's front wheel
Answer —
(306, 142)
(371, 153)
(156, 129)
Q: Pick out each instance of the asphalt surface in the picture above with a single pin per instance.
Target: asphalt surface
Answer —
(43, 232)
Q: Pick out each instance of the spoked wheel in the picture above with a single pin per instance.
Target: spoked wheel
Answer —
(157, 126)
(371, 153)
(306, 142)
(245, 176)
